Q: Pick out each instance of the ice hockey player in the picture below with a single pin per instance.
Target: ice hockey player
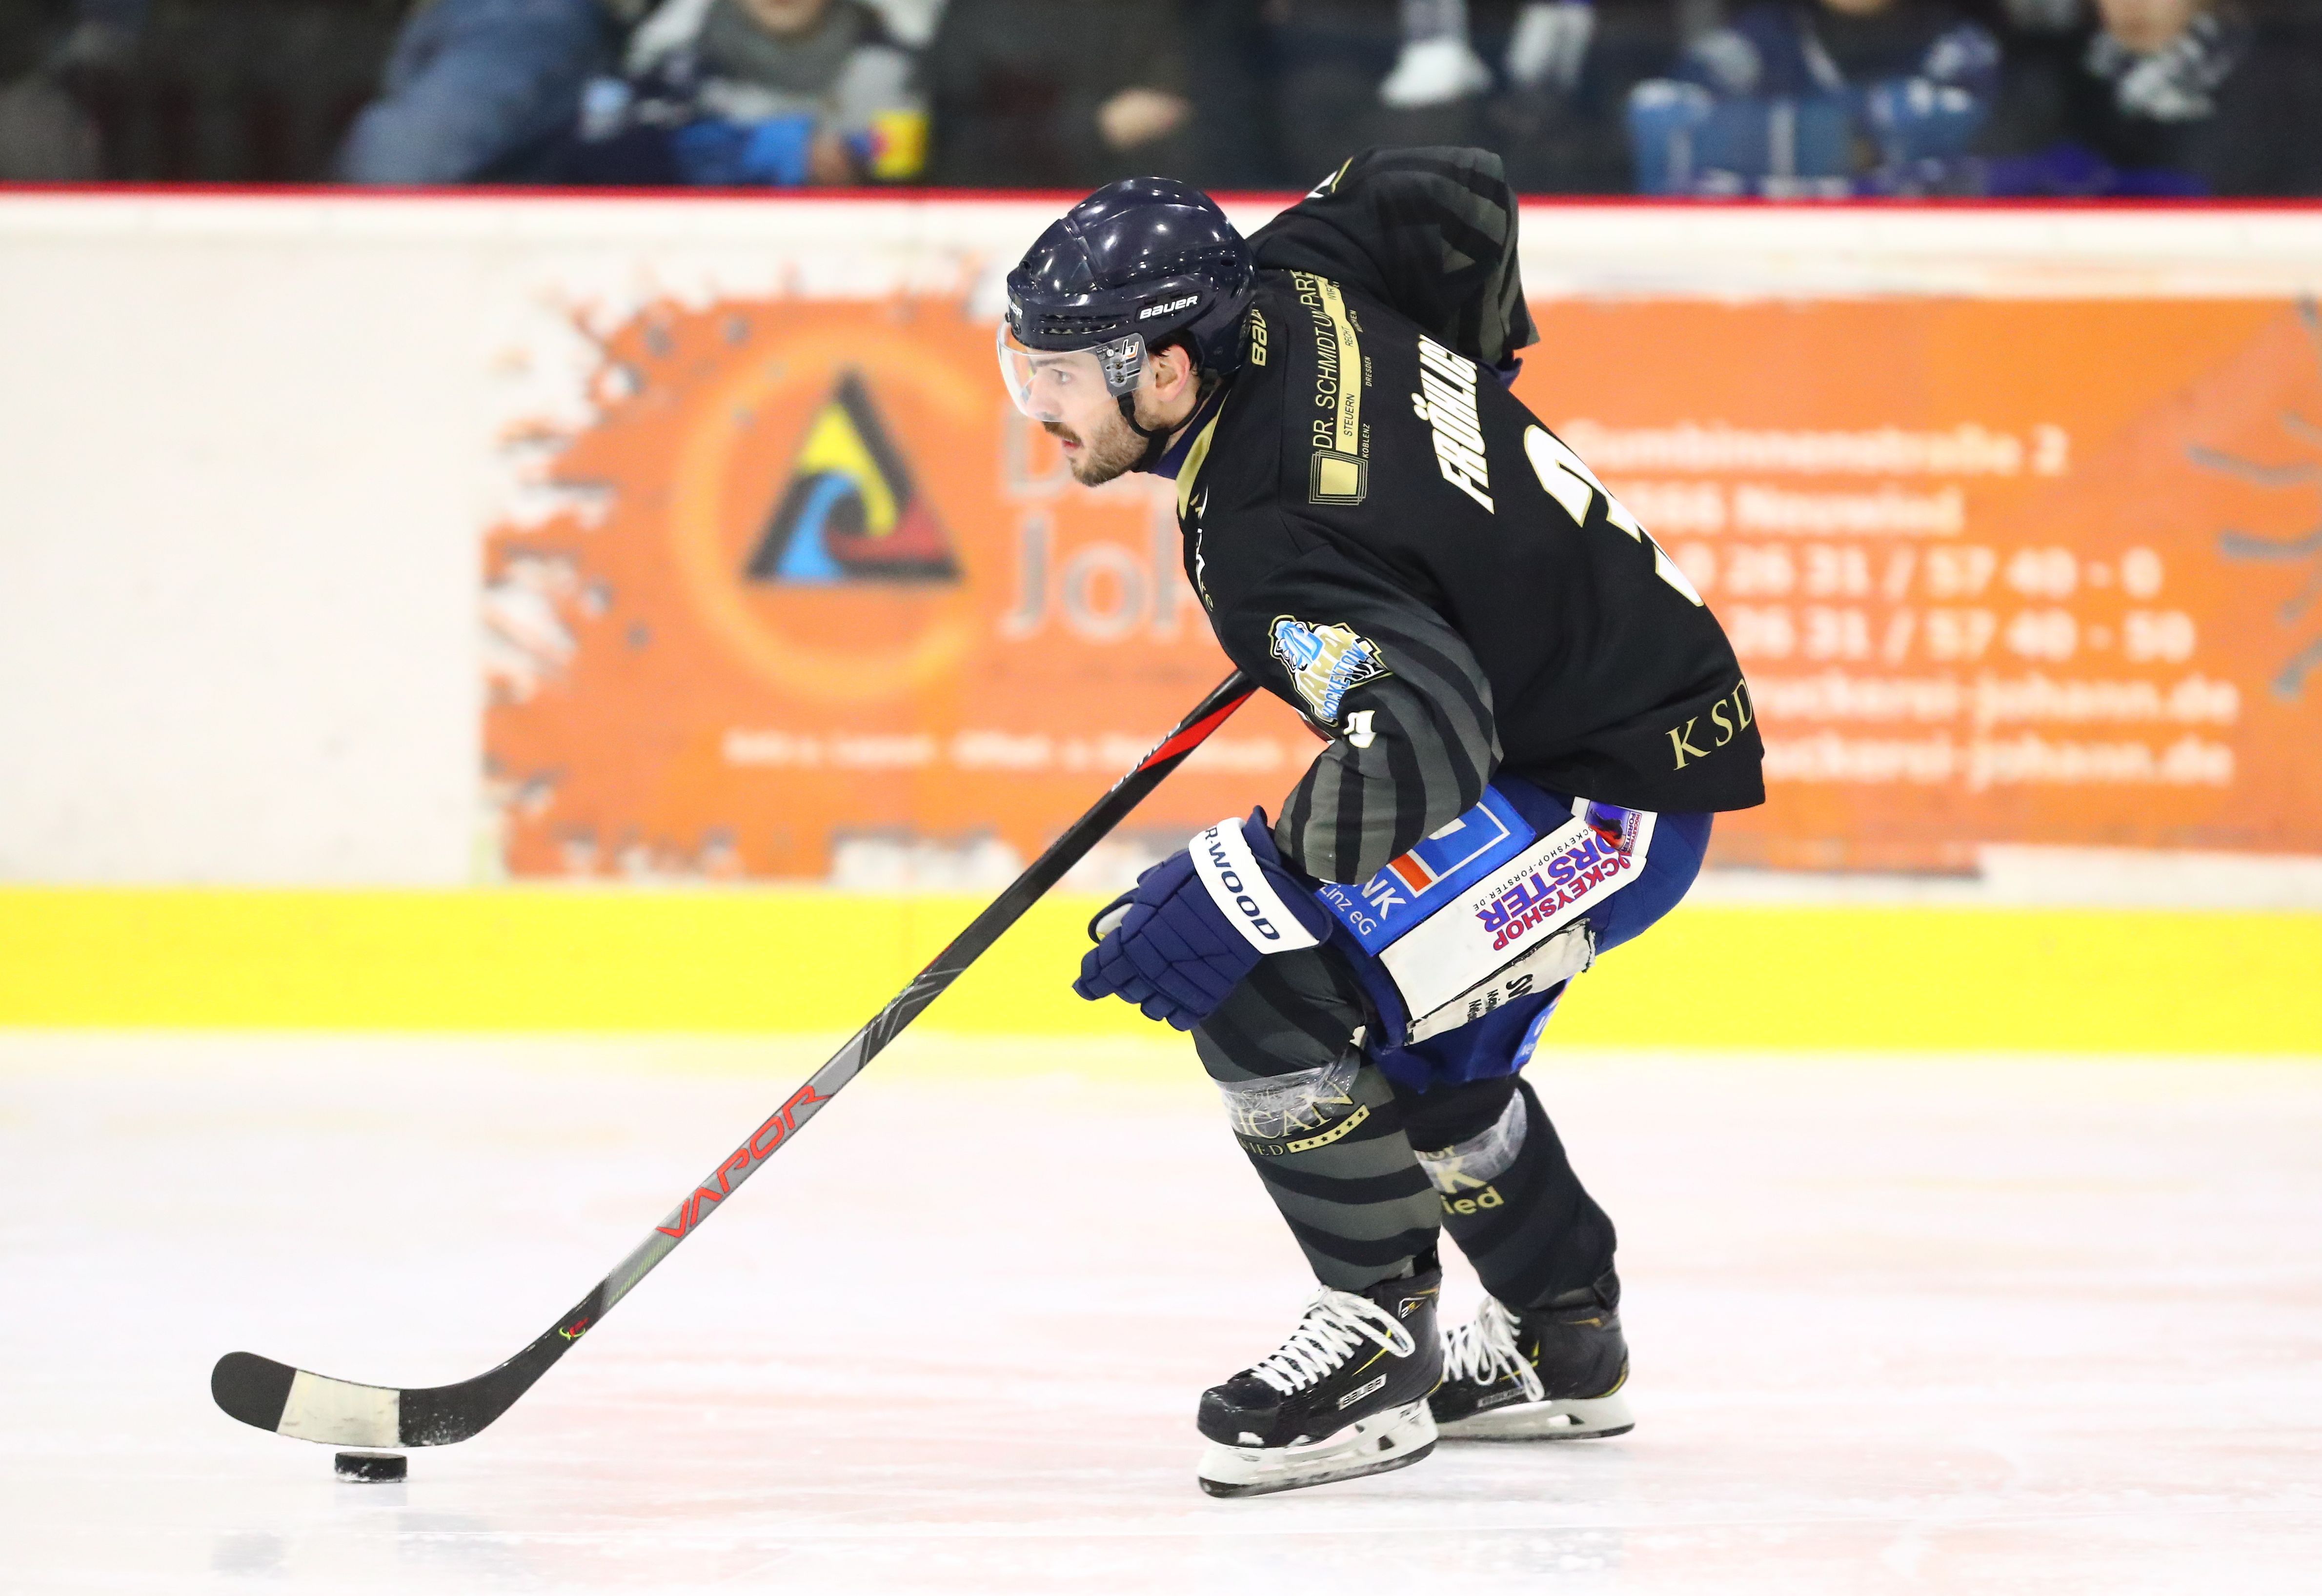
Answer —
(1530, 718)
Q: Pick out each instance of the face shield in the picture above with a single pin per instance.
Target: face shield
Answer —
(1070, 386)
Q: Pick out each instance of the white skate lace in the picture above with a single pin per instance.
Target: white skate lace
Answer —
(1486, 1351)
(1337, 1323)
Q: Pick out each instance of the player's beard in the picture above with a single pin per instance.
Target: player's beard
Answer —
(1112, 448)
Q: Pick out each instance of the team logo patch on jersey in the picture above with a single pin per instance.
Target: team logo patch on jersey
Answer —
(1325, 662)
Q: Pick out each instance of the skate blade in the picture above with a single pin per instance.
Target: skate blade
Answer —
(1579, 1419)
(1394, 1438)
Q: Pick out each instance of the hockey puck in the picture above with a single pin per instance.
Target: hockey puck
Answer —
(371, 1465)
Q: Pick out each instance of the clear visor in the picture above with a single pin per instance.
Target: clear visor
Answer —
(1058, 385)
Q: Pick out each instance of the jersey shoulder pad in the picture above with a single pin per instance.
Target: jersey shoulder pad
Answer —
(1429, 231)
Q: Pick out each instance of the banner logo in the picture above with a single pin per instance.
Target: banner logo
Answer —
(851, 512)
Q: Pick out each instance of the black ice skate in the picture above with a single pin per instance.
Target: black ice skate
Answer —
(1550, 1373)
(1345, 1395)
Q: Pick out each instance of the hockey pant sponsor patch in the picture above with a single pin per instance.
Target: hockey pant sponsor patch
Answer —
(1487, 909)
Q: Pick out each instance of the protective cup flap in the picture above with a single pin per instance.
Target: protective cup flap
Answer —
(1541, 968)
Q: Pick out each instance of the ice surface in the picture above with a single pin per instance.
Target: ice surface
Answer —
(1932, 1325)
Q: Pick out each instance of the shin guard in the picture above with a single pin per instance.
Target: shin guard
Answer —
(1511, 1200)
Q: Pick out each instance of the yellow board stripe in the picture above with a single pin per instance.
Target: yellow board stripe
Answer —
(547, 959)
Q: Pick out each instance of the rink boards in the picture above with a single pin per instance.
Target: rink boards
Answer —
(1711, 976)
(244, 505)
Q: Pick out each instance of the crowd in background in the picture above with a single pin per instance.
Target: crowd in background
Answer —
(1784, 98)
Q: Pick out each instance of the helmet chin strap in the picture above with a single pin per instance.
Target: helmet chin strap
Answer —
(1156, 439)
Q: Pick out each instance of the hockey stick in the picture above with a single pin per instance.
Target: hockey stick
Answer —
(336, 1412)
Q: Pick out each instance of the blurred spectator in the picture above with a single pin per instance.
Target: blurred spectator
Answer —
(1560, 124)
(2093, 98)
(2160, 97)
(234, 91)
(1061, 94)
(1332, 64)
(478, 88)
(1815, 98)
(45, 134)
(1438, 64)
(780, 92)
(1544, 83)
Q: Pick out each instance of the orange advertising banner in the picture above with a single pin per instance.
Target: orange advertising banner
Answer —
(817, 603)
(2015, 571)
(824, 604)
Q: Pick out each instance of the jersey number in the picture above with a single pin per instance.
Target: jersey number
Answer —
(1570, 483)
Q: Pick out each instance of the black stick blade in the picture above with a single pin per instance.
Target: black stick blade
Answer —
(309, 1407)
(252, 1388)
(440, 1415)
(272, 1396)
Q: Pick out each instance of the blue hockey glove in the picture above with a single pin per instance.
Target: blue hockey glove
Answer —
(1199, 922)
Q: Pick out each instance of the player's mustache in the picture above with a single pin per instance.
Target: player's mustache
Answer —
(1058, 429)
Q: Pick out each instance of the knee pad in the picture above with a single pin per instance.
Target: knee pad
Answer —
(1511, 1200)
(1274, 1114)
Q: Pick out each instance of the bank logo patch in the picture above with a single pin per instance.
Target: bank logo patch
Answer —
(1325, 662)
(1415, 885)
(851, 512)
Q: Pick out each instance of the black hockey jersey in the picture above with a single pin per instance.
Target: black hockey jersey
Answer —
(1387, 538)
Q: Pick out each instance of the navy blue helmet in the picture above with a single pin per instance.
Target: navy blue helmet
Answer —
(1149, 258)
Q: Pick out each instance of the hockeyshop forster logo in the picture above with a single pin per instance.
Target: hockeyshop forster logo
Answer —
(1567, 875)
